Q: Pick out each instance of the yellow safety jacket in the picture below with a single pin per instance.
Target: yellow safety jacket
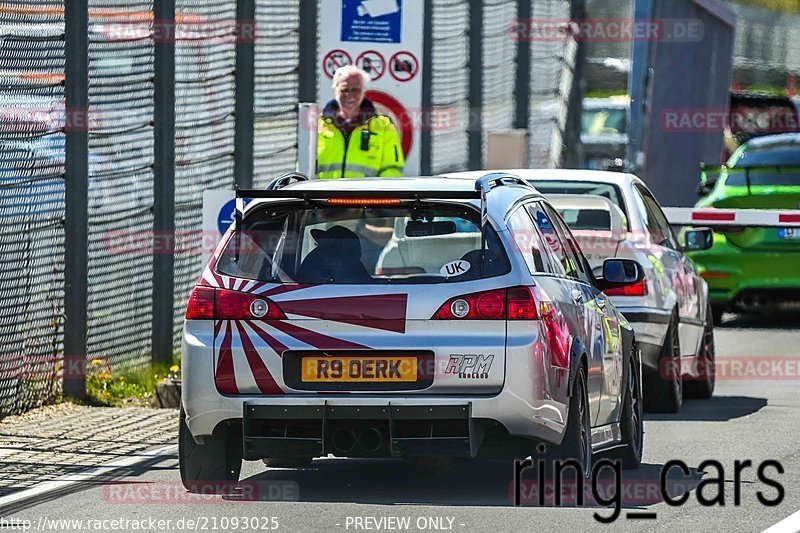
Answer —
(371, 149)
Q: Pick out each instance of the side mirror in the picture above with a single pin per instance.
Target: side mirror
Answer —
(696, 240)
(708, 178)
(620, 273)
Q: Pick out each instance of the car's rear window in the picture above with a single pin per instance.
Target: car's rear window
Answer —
(764, 176)
(423, 244)
(586, 218)
(606, 190)
(772, 158)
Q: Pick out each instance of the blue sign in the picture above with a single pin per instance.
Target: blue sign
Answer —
(371, 21)
(227, 215)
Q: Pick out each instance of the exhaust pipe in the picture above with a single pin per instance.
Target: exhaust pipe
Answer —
(370, 439)
(344, 440)
(754, 303)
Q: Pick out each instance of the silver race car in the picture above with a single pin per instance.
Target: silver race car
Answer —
(404, 317)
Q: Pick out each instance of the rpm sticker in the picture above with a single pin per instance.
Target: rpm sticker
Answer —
(454, 268)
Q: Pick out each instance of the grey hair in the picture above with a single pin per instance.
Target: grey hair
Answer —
(349, 70)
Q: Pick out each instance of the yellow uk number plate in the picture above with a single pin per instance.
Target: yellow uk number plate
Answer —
(359, 369)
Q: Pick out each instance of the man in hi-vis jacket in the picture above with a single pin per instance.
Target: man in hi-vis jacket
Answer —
(354, 140)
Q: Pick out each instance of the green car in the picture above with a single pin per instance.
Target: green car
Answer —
(753, 269)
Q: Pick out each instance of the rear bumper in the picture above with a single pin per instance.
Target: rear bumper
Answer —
(532, 403)
(732, 274)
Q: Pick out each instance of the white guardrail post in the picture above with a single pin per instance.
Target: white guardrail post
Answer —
(689, 216)
(308, 115)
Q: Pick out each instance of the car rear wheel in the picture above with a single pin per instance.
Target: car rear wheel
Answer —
(214, 466)
(632, 423)
(577, 444)
(703, 385)
(663, 390)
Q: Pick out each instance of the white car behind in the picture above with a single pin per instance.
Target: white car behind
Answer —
(613, 214)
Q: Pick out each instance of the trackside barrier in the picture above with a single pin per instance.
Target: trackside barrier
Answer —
(687, 216)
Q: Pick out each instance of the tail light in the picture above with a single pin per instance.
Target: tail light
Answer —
(708, 274)
(207, 303)
(637, 289)
(201, 304)
(521, 304)
(516, 303)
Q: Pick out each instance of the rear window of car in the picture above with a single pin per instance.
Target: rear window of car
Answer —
(606, 190)
(764, 176)
(784, 155)
(586, 218)
(423, 244)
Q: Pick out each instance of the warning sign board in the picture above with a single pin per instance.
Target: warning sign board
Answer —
(372, 63)
(384, 39)
(335, 59)
(403, 66)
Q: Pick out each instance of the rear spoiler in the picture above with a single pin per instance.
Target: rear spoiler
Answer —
(764, 218)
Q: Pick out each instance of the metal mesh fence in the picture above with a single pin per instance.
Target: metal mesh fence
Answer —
(450, 88)
(31, 202)
(552, 64)
(499, 63)
(120, 180)
(122, 38)
(204, 126)
(276, 90)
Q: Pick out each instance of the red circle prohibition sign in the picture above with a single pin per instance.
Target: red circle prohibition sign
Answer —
(403, 66)
(330, 56)
(375, 66)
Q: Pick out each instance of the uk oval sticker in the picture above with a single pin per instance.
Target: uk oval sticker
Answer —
(454, 268)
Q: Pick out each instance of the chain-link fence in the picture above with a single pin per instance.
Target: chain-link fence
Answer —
(32, 251)
(120, 127)
(205, 82)
(123, 41)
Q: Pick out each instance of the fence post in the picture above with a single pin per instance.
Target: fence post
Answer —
(573, 156)
(425, 134)
(164, 180)
(475, 131)
(307, 73)
(76, 192)
(245, 89)
(522, 81)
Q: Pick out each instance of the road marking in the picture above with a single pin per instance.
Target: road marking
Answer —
(790, 524)
(72, 479)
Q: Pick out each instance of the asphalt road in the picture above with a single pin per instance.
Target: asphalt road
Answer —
(755, 416)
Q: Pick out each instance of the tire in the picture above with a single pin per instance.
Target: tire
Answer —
(702, 387)
(663, 390)
(716, 313)
(577, 443)
(214, 466)
(631, 421)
